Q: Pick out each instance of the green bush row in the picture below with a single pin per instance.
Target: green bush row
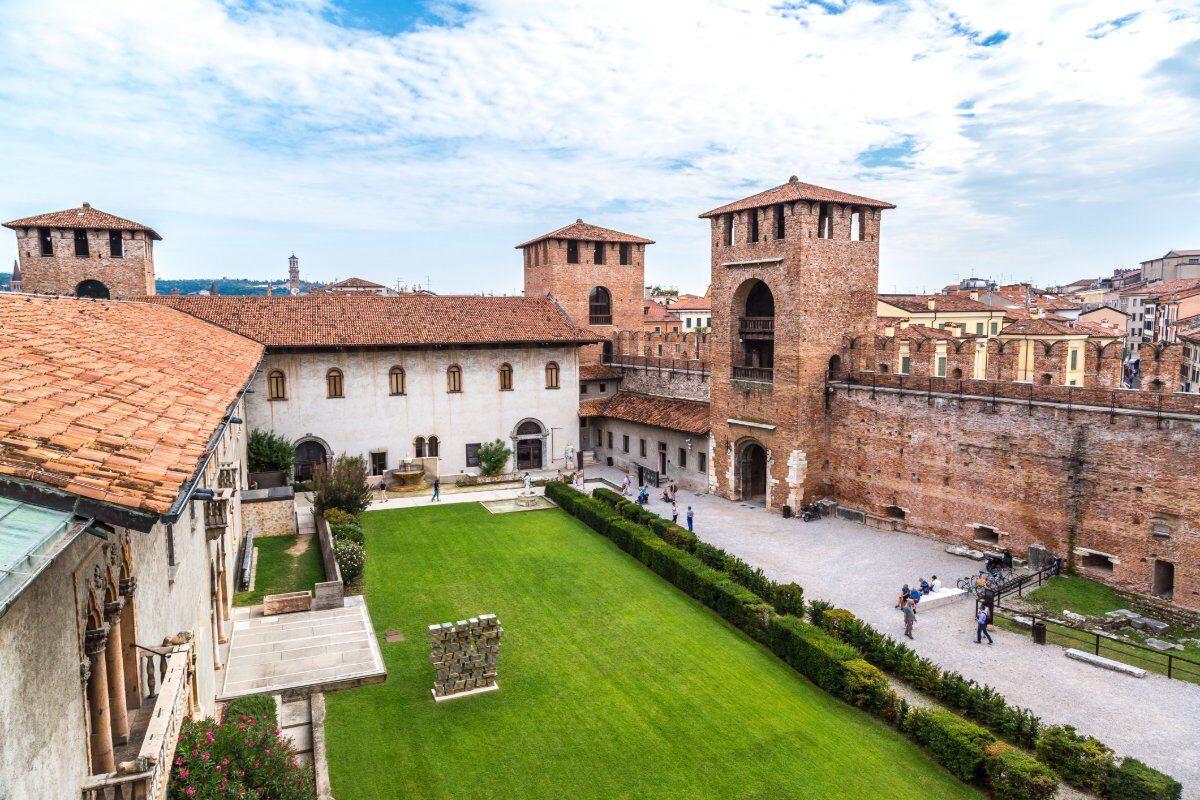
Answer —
(348, 531)
(1088, 764)
(254, 707)
(834, 666)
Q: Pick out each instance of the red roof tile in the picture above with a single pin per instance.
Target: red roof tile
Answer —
(690, 302)
(597, 372)
(113, 401)
(654, 312)
(352, 283)
(685, 416)
(919, 303)
(587, 232)
(83, 217)
(1050, 327)
(352, 320)
(793, 191)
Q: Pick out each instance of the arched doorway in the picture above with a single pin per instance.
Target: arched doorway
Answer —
(310, 454)
(835, 367)
(529, 444)
(752, 472)
(92, 288)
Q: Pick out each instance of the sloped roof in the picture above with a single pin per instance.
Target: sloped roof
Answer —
(655, 312)
(1181, 253)
(365, 320)
(690, 302)
(793, 191)
(685, 416)
(113, 401)
(587, 232)
(597, 372)
(83, 217)
(353, 283)
(921, 332)
(1175, 290)
(919, 303)
(1044, 327)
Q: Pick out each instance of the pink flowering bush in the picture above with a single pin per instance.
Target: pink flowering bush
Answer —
(243, 758)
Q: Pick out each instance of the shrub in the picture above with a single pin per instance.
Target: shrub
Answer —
(788, 598)
(1133, 780)
(711, 555)
(865, 686)
(255, 706)
(351, 558)
(268, 452)
(302, 486)
(811, 652)
(1082, 761)
(1015, 775)
(493, 457)
(954, 742)
(607, 495)
(835, 619)
(243, 758)
(752, 578)
(593, 513)
(563, 495)
(638, 514)
(674, 535)
(343, 485)
(816, 611)
(335, 516)
(347, 531)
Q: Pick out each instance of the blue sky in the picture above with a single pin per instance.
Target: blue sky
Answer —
(420, 141)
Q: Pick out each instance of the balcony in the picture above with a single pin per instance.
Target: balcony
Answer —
(600, 319)
(756, 327)
(145, 776)
(755, 374)
(216, 516)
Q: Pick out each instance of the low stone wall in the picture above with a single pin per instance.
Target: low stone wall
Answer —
(331, 593)
(270, 512)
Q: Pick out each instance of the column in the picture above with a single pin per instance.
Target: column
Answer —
(133, 692)
(115, 667)
(101, 745)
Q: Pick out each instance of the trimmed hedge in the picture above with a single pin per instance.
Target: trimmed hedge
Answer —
(1015, 775)
(608, 496)
(336, 516)
(348, 531)
(955, 743)
(1082, 761)
(1133, 780)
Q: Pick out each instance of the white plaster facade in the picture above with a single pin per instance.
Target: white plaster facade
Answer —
(692, 475)
(370, 419)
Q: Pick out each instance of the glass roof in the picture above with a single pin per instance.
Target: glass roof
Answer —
(28, 534)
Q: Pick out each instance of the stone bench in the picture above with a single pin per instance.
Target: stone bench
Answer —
(947, 595)
(286, 603)
(1106, 663)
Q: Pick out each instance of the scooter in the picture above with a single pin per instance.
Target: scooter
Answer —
(810, 513)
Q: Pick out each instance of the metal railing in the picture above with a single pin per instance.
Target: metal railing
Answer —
(600, 319)
(756, 325)
(757, 374)
(689, 366)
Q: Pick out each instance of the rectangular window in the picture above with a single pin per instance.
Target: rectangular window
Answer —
(172, 557)
(727, 230)
(904, 360)
(856, 225)
(624, 253)
(625, 443)
(687, 322)
(779, 227)
(824, 222)
(682, 457)
(379, 463)
(702, 462)
(45, 244)
(752, 221)
(642, 447)
(81, 243)
(473, 454)
(941, 366)
(572, 252)
(582, 388)
(116, 245)
(995, 327)
(596, 437)
(1074, 359)
(979, 327)
(598, 253)
(610, 440)
(603, 388)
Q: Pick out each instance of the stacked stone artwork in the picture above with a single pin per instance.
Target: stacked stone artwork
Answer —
(464, 656)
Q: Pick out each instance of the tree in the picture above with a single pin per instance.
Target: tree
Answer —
(268, 452)
(344, 485)
(492, 457)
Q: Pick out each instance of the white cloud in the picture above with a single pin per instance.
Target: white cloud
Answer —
(463, 139)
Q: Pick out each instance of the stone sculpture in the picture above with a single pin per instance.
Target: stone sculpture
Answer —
(464, 656)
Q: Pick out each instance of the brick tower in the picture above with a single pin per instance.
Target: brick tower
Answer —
(795, 271)
(85, 252)
(594, 273)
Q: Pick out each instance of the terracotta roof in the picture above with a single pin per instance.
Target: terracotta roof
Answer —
(793, 191)
(352, 283)
(1043, 327)
(1098, 309)
(690, 302)
(919, 303)
(353, 320)
(593, 407)
(685, 416)
(922, 332)
(1017, 313)
(83, 217)
(587, 232)
(1189, 328)
(113, 401)
(597, 372)
(1181, 253)
(1175, 290)
(654, 312)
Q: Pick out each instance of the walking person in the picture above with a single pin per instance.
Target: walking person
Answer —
(437, 491)
(674, 489)
(691, 516)
(674, 513)
(909, 609)
(382, 489)
(625, 486)
(981, 626)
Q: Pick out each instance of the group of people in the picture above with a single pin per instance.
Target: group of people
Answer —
(668, 496)
(914, 593)
(910, 596)
(575, 479)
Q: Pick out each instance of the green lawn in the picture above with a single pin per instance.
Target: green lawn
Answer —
(1081, 595)
(613, 683)
(280, 571)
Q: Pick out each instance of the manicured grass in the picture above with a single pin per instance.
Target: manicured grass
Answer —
(613, 683)
(1081, 595)
(280, 571)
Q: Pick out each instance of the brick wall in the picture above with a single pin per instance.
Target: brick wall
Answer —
(1086, 481)
(665, 383)
(129, 276)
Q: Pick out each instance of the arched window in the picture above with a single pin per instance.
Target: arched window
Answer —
(433, 447)
(552, 375)
(454, 378)
(333, 383)
(506, 383)
(93, 289)
(419, 447)
(276, 385)
(599, 306)
(396, 380)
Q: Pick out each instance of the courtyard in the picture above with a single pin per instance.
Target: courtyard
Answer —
(613, 683)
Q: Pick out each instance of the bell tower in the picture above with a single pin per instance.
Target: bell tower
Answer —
(595, 274)
(795, 271)
(293, 275)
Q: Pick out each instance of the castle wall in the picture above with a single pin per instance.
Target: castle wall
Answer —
(129, 276)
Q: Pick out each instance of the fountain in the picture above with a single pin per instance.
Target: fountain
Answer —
(527, 498)
(408, 477)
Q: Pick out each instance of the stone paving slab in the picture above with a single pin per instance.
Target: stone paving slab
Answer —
(315, 650)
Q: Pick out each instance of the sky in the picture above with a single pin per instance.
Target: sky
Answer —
(418, 142)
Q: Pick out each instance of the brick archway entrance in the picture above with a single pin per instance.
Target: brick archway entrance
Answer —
(752, 472)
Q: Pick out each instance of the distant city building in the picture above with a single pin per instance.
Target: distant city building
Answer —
(1174, 265)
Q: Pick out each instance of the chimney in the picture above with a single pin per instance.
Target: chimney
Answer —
(932, 304)
(87, 205)
(1036, 312)
(889, 329)
(974, 294)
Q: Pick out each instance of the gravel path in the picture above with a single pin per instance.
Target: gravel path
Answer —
(1153, 719)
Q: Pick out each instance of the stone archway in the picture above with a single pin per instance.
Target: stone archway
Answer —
(752, 472)
(311, 453)
(92, 288)
(529, 438)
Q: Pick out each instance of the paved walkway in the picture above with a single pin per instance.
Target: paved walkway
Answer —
(1153, 719)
